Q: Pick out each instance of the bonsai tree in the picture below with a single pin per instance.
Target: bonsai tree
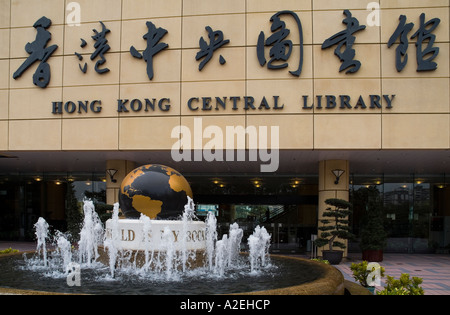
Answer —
(74, 214)
(373, 234)
(336, 226)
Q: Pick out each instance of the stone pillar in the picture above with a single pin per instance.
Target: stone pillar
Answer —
(329, 189)
(123, 167)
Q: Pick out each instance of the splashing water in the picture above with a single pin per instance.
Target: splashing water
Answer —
(146, 228)
(64, 249)
(168, 240)
(41, 232)
(54, 263)
(91, 235)
(112, 244)
(234, 244)
(211, 238)
(188, 216)
(221, 258)
(227, 250)
(222, 255)
(259, 243)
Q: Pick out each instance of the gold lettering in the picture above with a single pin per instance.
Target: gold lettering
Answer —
(131, 235)
(194, 236)
(189, 236)
(202, 233)
(149, 236)
(175, 235)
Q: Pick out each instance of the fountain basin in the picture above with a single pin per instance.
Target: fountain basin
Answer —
(141, 256)
(330, 281)
(290, 276)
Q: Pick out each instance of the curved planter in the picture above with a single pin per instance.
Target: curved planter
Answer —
(330, 282)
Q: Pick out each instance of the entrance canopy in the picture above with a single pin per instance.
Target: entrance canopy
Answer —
(290, 162)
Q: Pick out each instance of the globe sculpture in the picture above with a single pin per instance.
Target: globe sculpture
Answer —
(158, 191)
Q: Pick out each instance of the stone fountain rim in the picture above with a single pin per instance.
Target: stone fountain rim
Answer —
(331, 282)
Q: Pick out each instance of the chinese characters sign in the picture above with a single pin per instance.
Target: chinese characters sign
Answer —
(279, 43)
(101, 48)
(153, 38)
(424, 36)
(281, 48)
(345, 40)
(39, 51)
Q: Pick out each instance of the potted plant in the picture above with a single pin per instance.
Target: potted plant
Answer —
(334, 227)
(366, 274)
(373, 234)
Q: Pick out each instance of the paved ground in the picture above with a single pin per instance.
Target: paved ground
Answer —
(21, 246)
(433, 269)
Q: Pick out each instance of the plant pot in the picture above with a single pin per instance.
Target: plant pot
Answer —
(333, 256)
(372, 255)
(371, 290)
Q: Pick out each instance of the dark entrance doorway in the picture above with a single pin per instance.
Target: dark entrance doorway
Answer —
(286, 206)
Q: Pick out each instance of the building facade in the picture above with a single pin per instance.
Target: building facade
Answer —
(258, 103)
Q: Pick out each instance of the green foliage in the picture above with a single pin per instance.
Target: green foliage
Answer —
(9, 251)
(74, 215)
(361, 272)
(104, 211)
(373, 234)
(326, 262)
(337, 226)
(403, 286)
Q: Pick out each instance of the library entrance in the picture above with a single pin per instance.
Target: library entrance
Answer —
(285, 205)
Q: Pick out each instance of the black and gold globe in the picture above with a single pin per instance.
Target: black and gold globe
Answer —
(158, 191)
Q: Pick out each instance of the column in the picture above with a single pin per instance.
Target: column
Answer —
(123, 167)
(328, 188)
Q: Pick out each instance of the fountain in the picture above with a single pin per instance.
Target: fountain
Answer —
(160, 255)
(259, 243)
(91, 234)
(41, 232)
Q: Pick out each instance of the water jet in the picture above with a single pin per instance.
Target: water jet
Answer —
(166, 254)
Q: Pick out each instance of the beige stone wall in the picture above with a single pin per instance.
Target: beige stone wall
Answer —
(419, 119)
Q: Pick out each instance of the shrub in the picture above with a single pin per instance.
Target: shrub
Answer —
(9, 251)
(321, 260)
(361, 272)
(403, 286)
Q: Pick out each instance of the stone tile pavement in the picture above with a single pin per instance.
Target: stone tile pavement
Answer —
(433, 269)
(21, 246)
